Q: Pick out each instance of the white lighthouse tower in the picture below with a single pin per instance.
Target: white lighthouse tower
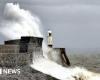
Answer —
(50, 39)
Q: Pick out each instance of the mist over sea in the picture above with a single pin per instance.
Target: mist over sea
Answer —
(88, 58)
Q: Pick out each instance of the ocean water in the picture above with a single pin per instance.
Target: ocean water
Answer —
(90, 61)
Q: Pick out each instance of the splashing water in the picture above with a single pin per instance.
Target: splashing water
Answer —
(19, 22)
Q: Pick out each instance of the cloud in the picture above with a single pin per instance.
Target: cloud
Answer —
(60, 2)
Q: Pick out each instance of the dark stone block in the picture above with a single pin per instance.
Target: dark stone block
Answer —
(25, 42)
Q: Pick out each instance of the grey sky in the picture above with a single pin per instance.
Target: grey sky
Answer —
(75, 23)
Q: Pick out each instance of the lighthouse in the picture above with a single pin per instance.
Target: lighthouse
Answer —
(57, 55)
(50, 39)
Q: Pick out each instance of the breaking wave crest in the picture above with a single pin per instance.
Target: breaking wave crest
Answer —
(19, 22)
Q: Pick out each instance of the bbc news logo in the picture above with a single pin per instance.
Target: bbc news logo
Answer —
(8, 71)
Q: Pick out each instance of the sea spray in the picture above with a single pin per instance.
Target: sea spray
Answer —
(19, 22)
(62, 73)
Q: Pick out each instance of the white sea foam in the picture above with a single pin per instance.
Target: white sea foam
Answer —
(62, 73)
